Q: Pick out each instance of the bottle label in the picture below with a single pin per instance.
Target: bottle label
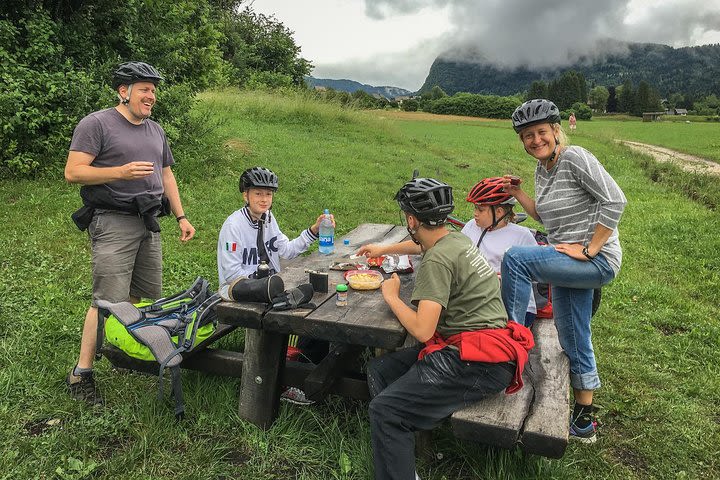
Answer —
(326, 240)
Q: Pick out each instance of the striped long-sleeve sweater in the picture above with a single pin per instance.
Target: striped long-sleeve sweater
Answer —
(574, 196)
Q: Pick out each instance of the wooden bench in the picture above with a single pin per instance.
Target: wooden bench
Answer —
(537, 417)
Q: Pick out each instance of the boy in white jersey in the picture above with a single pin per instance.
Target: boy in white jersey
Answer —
(492, 229)
(251, 236)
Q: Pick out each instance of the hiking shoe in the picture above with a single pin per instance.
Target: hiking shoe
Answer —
(82, 388)
(586, 434)
(296, 396)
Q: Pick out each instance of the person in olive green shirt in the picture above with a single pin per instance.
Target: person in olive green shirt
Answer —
(456, 291)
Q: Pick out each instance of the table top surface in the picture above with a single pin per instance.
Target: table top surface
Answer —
(366, 320)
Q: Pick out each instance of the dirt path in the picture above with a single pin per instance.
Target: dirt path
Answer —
(687, 162)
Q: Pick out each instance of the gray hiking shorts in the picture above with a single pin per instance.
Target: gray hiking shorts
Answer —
(126, 258)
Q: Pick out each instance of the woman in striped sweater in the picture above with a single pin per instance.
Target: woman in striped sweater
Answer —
(580, 205)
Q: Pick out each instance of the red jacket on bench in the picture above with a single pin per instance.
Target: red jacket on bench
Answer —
(491, 345)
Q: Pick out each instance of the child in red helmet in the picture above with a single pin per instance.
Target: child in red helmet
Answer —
(492, 229)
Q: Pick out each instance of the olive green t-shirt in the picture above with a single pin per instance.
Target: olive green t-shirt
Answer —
(454, 274)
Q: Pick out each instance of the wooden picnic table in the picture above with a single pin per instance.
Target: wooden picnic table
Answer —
(366, 321)
(536, 418)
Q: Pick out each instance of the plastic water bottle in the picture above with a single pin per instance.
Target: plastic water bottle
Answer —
(327, 234)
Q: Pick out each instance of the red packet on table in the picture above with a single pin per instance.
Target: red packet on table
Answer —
(375, 261)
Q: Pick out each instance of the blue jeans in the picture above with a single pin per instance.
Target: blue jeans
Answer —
(572, 282)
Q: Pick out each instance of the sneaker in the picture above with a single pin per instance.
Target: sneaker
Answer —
(296, 396)
(587, 434)
(82, 388)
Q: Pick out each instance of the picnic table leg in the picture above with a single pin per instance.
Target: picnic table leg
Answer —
(264, 360)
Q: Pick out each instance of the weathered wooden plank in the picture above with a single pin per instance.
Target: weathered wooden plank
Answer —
(259, 385)
(496, 420)
(536, 418)
(546, 428)
(366, 320)
(247, 315)
(323, 377)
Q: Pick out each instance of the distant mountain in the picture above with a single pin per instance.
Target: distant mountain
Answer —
(350, 86)
(688, 70)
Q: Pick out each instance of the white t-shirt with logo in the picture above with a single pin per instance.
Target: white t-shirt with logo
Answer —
(496, 242)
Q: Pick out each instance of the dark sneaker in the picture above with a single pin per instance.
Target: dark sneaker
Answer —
(586, 434)
(296, 396)
(82, 388)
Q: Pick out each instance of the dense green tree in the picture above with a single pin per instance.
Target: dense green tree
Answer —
(568, 89)
(626, 97)
(436, 93)
(254, 42)
(648, 99)
(582, 111)
(472, 105)
(612, 100)
(410, 105)
(676, 100)
(598, 98)
(56, 59)
(538, 89)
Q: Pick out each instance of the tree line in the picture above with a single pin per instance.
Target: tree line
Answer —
(57, 58)
(570, 92)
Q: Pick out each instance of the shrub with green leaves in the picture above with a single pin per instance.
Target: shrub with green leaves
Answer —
(472, 105)
(41, 96)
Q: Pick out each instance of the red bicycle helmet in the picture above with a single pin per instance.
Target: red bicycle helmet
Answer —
(489, 191)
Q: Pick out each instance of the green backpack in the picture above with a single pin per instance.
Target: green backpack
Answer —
(161, 331)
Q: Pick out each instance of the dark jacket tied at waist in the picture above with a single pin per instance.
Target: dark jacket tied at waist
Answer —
(149, 207)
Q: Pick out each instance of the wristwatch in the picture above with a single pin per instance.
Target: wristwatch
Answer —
(180, 217)
(587, 254)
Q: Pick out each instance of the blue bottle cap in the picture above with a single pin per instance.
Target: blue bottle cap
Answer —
(346, 242)
(326, 211)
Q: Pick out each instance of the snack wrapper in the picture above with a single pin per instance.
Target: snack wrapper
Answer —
(376, 261)
(397, 264)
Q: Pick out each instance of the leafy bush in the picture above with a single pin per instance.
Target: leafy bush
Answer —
(41, 96)
(410, 105)
(472, 105)
(582, 111)
(56, 60)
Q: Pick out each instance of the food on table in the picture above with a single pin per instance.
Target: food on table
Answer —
(364, 279)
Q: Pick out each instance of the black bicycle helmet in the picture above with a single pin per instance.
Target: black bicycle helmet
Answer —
(533, 112)
(130, 72)
(427, 199)
(258, 177)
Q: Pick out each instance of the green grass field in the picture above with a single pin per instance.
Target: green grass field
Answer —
(656, 335)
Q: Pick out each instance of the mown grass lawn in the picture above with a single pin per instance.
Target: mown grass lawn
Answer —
(656, 335)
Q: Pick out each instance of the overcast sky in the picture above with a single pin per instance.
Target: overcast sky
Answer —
(394, 42)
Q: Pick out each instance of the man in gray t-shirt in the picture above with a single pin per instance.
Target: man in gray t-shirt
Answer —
(123, 161)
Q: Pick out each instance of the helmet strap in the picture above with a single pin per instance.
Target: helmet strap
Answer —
(125, 101)
(495, 222)
(412, 231)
